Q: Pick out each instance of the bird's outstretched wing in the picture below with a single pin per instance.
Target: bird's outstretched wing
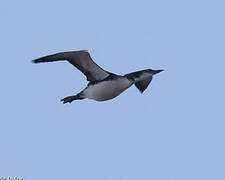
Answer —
(141, 79)
(142, 85)
(81, 60)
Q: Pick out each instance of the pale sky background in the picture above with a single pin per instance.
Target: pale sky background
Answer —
(173, 131)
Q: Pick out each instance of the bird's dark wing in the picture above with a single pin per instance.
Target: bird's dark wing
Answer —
(142, 85)
(81, 60)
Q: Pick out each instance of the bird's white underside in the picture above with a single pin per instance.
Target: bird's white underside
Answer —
(106, 90)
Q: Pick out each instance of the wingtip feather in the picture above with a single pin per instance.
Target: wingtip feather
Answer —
(34, 61)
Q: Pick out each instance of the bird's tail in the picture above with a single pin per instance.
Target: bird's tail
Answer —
(72, 98)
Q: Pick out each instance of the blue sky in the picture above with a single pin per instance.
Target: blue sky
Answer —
(173, 131)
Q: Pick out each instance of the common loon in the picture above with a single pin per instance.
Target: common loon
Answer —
(103, 85)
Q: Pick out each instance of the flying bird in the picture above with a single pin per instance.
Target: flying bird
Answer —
(103, 85)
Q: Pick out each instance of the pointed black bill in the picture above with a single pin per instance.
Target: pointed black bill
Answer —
(157, 71)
